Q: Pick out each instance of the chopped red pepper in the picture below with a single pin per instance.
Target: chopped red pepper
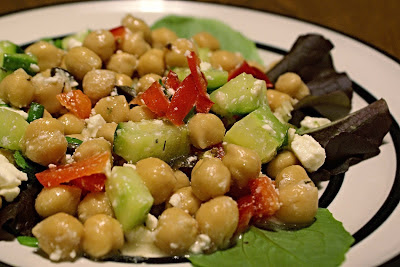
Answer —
(65, 173)
(119, 33)
(155, 99)
(266, 199)
(182, 101)
(263, 201)
(76, 102)
(246, 68)
(92, 183)
(246, 212)
(203, 101)
(172, 80)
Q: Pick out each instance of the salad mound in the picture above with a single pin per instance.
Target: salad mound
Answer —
(175, 140)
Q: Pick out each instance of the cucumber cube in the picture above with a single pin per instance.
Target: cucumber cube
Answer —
(12, 129)
(129, 197)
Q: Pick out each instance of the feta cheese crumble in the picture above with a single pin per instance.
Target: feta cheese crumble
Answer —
(10, 179)
(313, 122)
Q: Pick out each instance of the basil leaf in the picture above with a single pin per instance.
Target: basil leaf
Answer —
(231, 40)
(324, 243)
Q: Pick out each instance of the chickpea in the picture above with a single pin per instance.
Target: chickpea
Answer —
(225, 59)
(147, 80)
(181, 180)
(122, 62)
(44, 141)
(98, 84)
(59, 236)
(113, 108)
(163, 36)
(48, 56)
(210, 178)
(17, 89)
(276, 98)
(72, 124)
(291, 84)
(107, 131)
(175, 55)
(176, 231)
(62, 198)
(151, 61)
(185, 200)
(91, 147)
(243, 163)
(134, 44)
(298, 195)
(139, 113)
(46, 90)
(123, 80)
(158, 177)
(102, 235)
(218, 218)
(137, 25)
(94, 203)
(205, 130)
(101, 42)
(80, 60)
(205, 39)
(281, 161)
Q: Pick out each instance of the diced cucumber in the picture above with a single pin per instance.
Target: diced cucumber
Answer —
(239, 96)
(12, 129)
(134, 141)
(12, 62)
(130, 198)
(215, 78)
(74, 39)
(204, 54)
(261, 131)
(9, 48)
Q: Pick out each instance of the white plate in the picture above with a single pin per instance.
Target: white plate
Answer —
(365, 198)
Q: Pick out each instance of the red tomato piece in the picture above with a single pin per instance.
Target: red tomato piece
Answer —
(119, 33)
(246, 68)
(182, 101)
(155, 99)
(76, 102)
(92, 183)
(65, 173)
(246, 212)
(266, 200)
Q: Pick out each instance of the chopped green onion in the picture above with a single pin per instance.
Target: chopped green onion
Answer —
(74, 141)
(28, 241)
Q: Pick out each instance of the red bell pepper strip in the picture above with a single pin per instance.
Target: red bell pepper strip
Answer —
(182, 101)
(155, 99)
(76, 102)
(118, 33)
(246, 68)
(172, 81)
(203, 101)
(65, 173)
(92, 183)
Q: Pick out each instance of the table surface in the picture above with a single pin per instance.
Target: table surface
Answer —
(373, 21)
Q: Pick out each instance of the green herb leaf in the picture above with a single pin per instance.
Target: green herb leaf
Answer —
(231, 40)
(28, 241)
(324, 243)
(27, 166)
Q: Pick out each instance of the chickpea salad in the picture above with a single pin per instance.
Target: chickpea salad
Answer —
(175, 142)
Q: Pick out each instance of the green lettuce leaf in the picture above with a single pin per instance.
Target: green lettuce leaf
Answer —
(231, 40)
(324, 243)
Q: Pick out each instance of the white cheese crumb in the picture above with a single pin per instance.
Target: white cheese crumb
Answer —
(312, 122)
(93, 124)
(204, 66)
(309, 152)
(175, 200)
(10, 179)
(202, 243)
(151, 222)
